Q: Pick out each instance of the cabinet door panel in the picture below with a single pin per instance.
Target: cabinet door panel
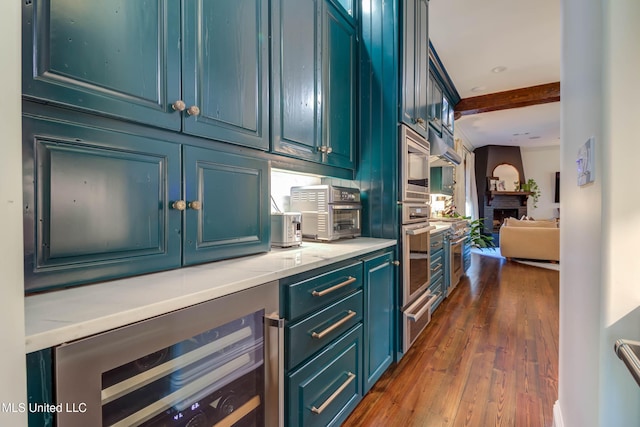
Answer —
(234, 218)
(339, 62)
(225, 45)
(98, 207)
(295, 78)
(379, 313)
(409, 60)
(118, 57)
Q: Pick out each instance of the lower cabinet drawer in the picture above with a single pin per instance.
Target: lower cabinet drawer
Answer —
(314, 332)
(328, 387)
(437, 288)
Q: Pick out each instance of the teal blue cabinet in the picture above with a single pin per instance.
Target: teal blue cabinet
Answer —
(40, 387)
(201, 68)
(435, 104)
(325, 390)
(313, 82)
(379, 327)
(120, 58)
(442, 180)
(100, 204)
(227, 205)
(339, 89)
(226, 63)
(415, 65)
(97, 204)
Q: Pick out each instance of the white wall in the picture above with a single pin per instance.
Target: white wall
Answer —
(599, 287)
(541, 164)
(12, 356)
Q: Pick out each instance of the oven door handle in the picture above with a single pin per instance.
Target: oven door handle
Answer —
(419, 230)
(416, 316)
(457, 242)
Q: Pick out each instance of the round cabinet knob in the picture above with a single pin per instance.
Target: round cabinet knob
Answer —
(193, 111)
(179, 105)
(329, 150)
(179, 205)
(420, 121)
(195, 205)
(396, 263)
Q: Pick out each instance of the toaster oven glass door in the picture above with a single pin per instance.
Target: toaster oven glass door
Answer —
(174, 370)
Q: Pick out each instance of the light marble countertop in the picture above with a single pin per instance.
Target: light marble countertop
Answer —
(61, 316)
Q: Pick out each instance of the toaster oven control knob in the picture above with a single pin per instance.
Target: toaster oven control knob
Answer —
(195, 205)
(193, 111)
(179, 105)
(179, 205)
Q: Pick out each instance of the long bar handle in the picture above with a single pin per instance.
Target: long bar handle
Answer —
(437, 267)
(349, 281)
(319, 335)
(350, 377)
(415, 317)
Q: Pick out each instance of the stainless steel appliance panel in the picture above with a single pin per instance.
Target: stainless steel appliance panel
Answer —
(199, 364)
(416, 262)
(415, 318)
(456, 262)
(414, 171)
(286, 229)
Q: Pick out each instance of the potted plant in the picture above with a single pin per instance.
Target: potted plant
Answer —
(477, 238)
(535, 191)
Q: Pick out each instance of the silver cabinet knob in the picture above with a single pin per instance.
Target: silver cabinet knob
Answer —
(420, 121)
(179, 105)
(396, 263)
(325, 149)
(196, 205)
(193, 111)
(179, 205)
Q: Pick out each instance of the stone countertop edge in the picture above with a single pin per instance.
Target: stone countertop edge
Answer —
(66, 315)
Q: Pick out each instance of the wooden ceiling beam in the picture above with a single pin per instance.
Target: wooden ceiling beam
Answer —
(516, 98)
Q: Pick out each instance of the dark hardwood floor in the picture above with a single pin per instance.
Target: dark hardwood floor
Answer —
(489, 357)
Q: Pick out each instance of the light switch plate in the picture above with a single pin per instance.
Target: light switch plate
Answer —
(585, 162)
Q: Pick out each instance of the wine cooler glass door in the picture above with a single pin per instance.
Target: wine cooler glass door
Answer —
(202, 365)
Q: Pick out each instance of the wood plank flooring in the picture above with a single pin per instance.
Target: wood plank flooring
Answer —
(489, 357)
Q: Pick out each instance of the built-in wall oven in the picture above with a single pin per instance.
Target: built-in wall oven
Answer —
(416, 241)
(216, 363)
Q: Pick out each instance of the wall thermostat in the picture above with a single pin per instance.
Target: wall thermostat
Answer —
(585, 162)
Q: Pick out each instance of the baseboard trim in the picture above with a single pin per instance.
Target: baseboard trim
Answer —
(557, 415)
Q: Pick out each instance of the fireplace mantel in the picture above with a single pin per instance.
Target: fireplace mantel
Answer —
(522, 194)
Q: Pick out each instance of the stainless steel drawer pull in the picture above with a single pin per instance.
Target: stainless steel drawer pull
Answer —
(349, 281)
(436, 268)
(350, 377)
(345, 319)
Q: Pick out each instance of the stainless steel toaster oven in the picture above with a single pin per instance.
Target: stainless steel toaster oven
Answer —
(328, 212)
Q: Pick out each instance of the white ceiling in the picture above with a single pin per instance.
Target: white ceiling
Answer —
(473, 37)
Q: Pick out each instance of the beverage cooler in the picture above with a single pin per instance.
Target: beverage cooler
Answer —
(218, 363)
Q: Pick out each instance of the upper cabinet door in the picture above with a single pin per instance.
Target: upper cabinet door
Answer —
(339, 89)
(227, 205)
(415, 65)
(225, 58)
(117, 57)
(295, 77)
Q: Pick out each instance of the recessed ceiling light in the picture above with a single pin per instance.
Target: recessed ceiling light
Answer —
(499, 69)
(478, 88)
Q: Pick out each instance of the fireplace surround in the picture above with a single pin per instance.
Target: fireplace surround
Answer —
(493, 206)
